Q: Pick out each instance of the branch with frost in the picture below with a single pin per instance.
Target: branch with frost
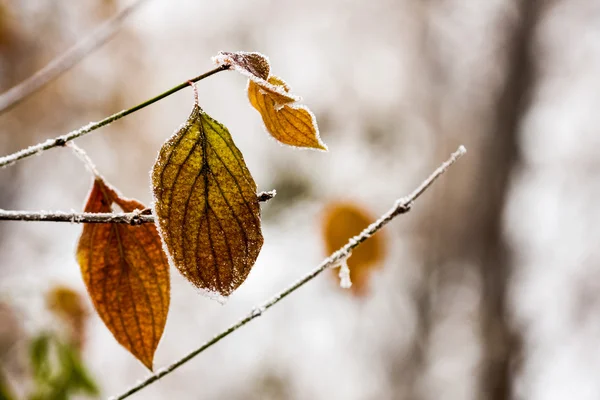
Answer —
(132, 218)
(401, 206)
(67, 60)
(62, 140)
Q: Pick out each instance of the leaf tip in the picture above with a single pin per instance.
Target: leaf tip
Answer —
(148, 364)
(321, 146)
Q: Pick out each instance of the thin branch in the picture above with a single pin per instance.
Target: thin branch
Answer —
(92, 126)
(132, 218)
(401, 206)
(67, 60)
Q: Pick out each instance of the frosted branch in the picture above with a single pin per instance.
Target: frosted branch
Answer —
(132, 218)
(92, 126)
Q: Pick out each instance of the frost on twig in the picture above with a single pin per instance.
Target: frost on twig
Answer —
(345, 282)
(92, 126)
(136, 217)
(344, 273)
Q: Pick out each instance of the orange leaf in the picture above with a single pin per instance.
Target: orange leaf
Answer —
(206, 205)
(126, 274)
(289, 123)
(275, 89)
(342, 221)
(286, 121)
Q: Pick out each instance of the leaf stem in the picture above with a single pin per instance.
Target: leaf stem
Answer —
(85, 159)
(401, 206)
(63, 139)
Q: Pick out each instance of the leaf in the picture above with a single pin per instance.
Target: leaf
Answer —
(57, 369)
(251, 64)
(68, 305)
(289, 123)
(342, 221)
(126, 274)
(77, 376)
(5, 391)
(206, 205)
(38, 354)
(66, 302)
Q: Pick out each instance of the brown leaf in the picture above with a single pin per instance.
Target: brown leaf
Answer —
(126, 274)
(251, 64)
(290, 123)
(206, 205)
(342, 221)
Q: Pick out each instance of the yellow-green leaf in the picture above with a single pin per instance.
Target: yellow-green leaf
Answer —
(286, 121)
(342, 221)
(126, 273)
(206, 205)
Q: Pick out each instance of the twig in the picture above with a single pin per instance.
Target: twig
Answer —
(132, 218)
(400, 207)
(92, 126)
(67, 60)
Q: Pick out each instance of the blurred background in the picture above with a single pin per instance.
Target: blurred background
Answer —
(488, 289)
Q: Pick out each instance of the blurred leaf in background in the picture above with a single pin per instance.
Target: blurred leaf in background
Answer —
(58, 372)
(343, 220)
(5, 392)
(55, 359)
(68, 306)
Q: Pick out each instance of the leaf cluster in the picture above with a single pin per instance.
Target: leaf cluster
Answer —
(207, 215)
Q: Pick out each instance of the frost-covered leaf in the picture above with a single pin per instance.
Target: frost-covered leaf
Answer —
(251, 64)
(342, 221)
(126, 273)
(206, 205)
(275, 89)
(286, 121)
